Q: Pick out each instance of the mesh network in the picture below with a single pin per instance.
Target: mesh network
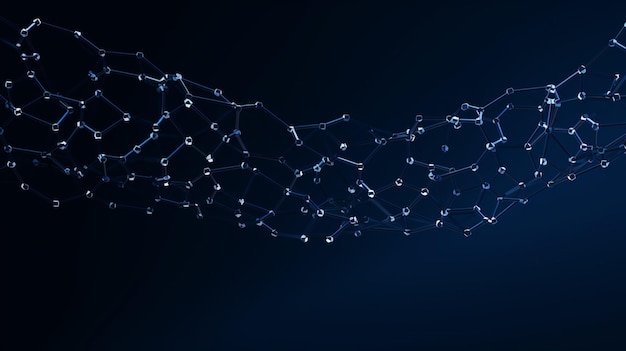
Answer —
(109, 126)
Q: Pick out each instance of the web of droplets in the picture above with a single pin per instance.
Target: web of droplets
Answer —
(121, 131)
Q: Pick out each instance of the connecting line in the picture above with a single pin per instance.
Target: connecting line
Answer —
(615, 43)
(520, 200)
(294, 134)
(496, 120)
(78, 35)
(416, 126)
(550, 114)
(581, 70)
(455, 171)
(422, 130)
(403, 136)
(497, 214)
(370, 192)
(330, 238)
(358, 165)
(584, 168)
(322, 125)
(216, 92)
(480, 213)
(37, 119)
(270, 113)
(371, 155)
(621, 140)
(528, 89)
(389, 216)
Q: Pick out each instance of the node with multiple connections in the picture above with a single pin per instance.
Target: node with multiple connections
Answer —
(90, 124)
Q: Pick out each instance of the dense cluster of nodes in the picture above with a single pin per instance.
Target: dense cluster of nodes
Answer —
(112, 127)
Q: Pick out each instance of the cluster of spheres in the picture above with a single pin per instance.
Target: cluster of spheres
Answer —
(92, 124)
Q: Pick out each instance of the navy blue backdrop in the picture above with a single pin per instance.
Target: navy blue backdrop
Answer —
(548, 276)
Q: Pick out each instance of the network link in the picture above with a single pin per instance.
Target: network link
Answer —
(79, 122)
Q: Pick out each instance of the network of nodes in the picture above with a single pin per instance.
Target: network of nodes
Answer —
(109, 126)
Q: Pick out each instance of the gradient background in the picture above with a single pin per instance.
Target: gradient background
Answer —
(548, 276)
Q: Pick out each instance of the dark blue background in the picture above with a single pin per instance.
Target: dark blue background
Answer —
(548, 276)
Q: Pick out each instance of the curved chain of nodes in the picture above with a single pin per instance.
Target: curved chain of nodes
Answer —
(131, 136)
